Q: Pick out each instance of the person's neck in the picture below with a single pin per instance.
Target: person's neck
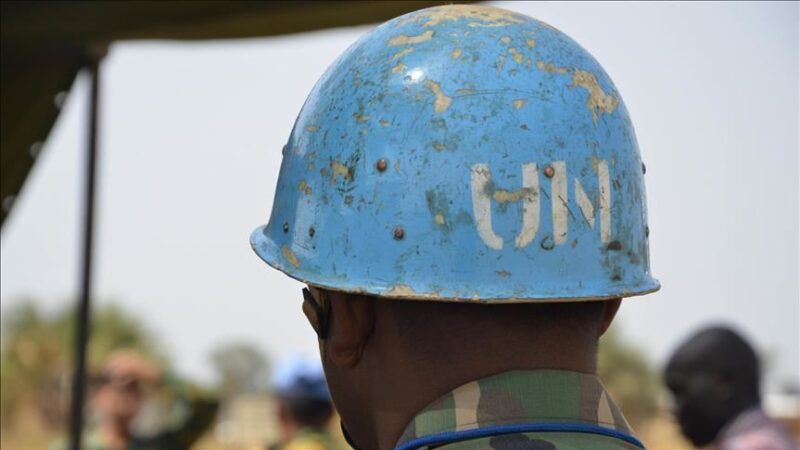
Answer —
(408, 388)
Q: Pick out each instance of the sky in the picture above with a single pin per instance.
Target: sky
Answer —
(191, 136)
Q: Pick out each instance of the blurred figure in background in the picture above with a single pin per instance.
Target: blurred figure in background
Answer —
(119, 396)
(304, 406)
(714, 380)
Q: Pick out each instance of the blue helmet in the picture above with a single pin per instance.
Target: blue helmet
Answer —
(463, 153)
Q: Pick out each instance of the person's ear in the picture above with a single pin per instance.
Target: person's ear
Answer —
(609, 312)
(352, 319)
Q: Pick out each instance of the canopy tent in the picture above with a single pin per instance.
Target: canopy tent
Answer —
(45, 43)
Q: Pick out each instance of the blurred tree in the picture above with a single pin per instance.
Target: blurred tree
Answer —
(630, 380)
(240, 368)
(36, 353)
(31, 359)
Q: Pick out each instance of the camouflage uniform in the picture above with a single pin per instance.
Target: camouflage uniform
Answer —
(523, 409)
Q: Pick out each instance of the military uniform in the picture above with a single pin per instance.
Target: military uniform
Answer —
(537, 409)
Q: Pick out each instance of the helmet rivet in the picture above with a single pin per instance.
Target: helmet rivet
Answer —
(311, 231)
(549, 171)
(285, 227)
(399, 233)
(644, 169)
(381, 165)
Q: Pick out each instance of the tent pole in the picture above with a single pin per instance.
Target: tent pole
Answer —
(82, 313)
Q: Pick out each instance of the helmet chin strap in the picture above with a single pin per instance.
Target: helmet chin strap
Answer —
(347, 437)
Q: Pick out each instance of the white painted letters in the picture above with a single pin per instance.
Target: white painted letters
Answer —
(530, 205)
(529, 195)
(482, 206)
(558, 198)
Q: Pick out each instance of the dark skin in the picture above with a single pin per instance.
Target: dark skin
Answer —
(383, 366)
(713, 377)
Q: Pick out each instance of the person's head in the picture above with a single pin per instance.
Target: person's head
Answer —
(302, 394)
(713, 376)
(465, 188)
(120, 388)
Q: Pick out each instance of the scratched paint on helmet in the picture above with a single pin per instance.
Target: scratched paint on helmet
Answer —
(509, 165)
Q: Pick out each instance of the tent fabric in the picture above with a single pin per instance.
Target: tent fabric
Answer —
(44, 44)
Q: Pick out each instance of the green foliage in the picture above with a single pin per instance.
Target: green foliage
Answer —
(625, 372)
(37, 353)
(240, 368)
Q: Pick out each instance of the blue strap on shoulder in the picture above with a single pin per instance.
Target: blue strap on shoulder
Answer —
(456, 436)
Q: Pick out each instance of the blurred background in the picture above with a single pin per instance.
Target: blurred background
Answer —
(190, 138)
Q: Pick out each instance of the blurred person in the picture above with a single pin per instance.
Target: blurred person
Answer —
(714, 379)
(304, 408)
(120, 393)
(458, 280)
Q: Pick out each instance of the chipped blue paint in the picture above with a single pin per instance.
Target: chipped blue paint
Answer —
(509, 163)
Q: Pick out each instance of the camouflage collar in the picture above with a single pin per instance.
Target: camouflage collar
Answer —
(520, 398)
